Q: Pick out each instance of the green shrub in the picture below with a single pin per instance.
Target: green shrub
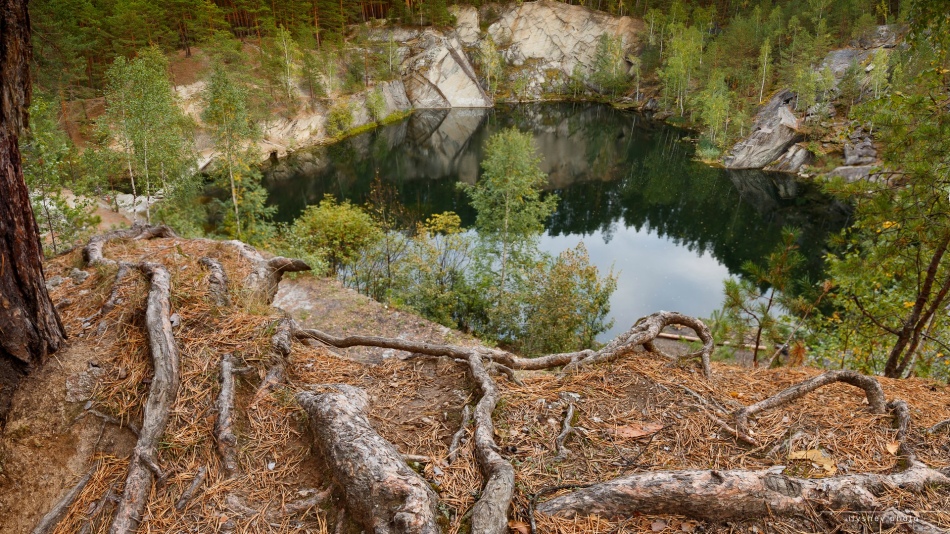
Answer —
(341, 230)
(339, 119)
(376, 105)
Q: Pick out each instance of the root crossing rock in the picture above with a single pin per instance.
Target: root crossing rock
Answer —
(379, 489)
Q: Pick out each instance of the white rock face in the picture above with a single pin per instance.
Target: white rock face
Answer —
(558, 35)
(439, 75)
(466, 24)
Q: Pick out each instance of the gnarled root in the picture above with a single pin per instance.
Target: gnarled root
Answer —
(718, 496)
(223, 433)
(92, 252)
(871, 387)
(55, 515)
(379, 488)
(267, 273)
(161, 395)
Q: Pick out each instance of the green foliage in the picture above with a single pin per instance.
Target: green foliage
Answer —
(341, 230)
(489, 62)
(748, 312)
(50, 165)
(339, 119)
(566, 306)
(610, 71)
(714, 107)
(679, 67)
(227, 117)
(145, 121)
(281, 65)
(376, 105)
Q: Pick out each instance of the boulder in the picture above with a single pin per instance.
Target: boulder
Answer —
(439, 75)
(860, 153)
(558, 35)
(839, 60)
(774, 130)
(792, 160)
(394, 93)
(885, 36)
(851, 173)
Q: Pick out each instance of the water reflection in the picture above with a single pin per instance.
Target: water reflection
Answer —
(628, 186)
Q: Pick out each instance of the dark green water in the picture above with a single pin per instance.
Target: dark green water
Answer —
(672, 227)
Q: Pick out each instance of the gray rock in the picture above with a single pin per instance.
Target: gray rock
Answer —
(861, 153)
(78, 276)
(852, 173)
(792, 160)
(54, 282)
(886, 36)
(838, 61)
(774, 130)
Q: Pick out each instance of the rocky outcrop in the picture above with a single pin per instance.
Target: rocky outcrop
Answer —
(851, 173)
(792, 160)
(774, 130)
(886, 36)
(438, 74)
(466, 24)
(558, 35)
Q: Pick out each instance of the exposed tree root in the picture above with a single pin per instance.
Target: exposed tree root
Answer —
(217, 281)
(162, 392)
(98, 509)
(307, 503)
(566, 430)
(113, 299)
(55, 515)
(223, 433)
(871, 387)
(277, 373)
(490, 513)
(942, 425)
(189, 492)
(457, 437)
(130, 426)
(379, 488)
(92, 252)
(718, 496)
(267, 273)
(644, 331)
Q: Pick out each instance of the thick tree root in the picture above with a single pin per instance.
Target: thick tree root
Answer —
(566, 430)
(55, 515)
(217, 281)
(490, 513)
(161, 395)
(92, 252)
(379, 488)
(643, 332)
(223, 433)
(718, 496)
(267, 273)
(871, 387)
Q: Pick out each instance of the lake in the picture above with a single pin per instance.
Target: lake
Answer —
(672, 228)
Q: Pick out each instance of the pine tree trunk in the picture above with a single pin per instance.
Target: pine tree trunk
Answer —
(30, 329)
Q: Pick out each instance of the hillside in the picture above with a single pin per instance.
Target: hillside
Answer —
(78, 417)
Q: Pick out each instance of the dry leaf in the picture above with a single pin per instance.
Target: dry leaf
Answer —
(637, 430)
(816, 457)
(519, 526)
(893, 447)
(658, 525)
(689, 526)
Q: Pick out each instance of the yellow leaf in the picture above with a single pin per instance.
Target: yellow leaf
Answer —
(893, 447)
(816, 457)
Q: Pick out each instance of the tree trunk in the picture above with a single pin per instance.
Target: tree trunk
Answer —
(30, 329)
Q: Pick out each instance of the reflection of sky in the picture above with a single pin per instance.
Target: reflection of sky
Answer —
(653, 274)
